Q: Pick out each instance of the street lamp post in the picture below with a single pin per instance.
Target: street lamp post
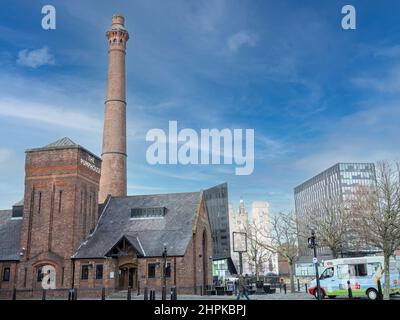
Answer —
(240, 263)
(164, 289)
(313, 245)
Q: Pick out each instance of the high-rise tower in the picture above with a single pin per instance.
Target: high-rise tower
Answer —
(113, 171)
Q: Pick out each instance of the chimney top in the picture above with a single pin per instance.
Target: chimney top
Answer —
(118, 19)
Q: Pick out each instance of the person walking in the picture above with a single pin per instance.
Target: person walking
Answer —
(242, 288)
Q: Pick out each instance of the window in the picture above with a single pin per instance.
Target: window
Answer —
(148, 212)
(6, 274)
(59, 202)
(40, 202)
(168, 270)
(151, 270)
(85, 272)
(328, 273)
(99, 271)
(39, 275)
(358, 270)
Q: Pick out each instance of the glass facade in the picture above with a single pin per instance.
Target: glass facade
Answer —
(217, 207)
(218, 212)
(338, 183)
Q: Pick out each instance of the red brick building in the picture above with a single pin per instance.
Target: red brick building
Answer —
(113, 245)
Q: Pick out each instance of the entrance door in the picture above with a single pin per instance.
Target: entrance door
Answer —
(128, 278)
(131, 277)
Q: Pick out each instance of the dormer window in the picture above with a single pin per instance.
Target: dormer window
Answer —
(147, 213)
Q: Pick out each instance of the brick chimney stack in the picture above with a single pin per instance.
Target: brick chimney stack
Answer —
(113, 170)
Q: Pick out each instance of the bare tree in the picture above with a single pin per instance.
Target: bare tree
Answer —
(377, 214)
(282, 240)
(257, 254)
(331, 220)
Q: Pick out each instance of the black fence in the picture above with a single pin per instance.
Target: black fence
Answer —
(148, 293)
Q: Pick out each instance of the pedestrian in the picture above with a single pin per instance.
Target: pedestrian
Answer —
(242, 288)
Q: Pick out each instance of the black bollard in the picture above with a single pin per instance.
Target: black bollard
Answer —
(103, 293)
(138, 288)
(380, 294)
(349, 289)
(14, 294)
(129, 294)
(173, 293)
(306, 287)
(284, 287)
(164, 293)
(298, 285)
(146, 293)
(44, 294)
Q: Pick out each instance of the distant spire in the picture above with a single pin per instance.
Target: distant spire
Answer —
(242, 208)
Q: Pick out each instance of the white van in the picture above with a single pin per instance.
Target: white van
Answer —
(362, 273)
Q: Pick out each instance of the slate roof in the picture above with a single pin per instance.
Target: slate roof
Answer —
(10, 230)
(174, 229)
(63, 143)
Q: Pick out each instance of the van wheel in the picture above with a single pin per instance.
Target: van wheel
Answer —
(372, 294)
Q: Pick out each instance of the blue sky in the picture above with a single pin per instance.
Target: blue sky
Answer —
(314, 93)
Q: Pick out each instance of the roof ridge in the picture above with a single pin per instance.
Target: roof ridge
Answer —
(153, 194)
(63, 142)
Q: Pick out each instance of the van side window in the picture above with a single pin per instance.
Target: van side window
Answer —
(358, 270)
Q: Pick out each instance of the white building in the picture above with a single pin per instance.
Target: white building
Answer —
(258, 224)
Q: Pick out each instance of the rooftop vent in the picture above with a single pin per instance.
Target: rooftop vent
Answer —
(150, 212)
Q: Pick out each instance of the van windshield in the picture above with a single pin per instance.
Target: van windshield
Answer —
(328, 273)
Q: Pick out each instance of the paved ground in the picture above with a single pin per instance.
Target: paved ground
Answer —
(275, 296)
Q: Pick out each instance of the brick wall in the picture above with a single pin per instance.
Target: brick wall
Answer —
(60, 209)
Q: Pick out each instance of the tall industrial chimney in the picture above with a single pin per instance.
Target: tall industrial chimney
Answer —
(113, 169)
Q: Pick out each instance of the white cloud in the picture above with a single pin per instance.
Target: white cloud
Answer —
(236, 41)
(53, 115)
(388, 82)
(369, 135)
(35, 58)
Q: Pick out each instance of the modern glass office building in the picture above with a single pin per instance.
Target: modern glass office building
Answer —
(339, 182)
(218, 213)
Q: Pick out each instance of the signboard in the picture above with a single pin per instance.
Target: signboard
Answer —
(239, 241)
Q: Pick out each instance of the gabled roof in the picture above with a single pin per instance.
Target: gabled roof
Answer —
(133, 241)
(174, 229)
(10, 230)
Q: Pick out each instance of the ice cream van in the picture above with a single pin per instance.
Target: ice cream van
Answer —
(360, 273)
